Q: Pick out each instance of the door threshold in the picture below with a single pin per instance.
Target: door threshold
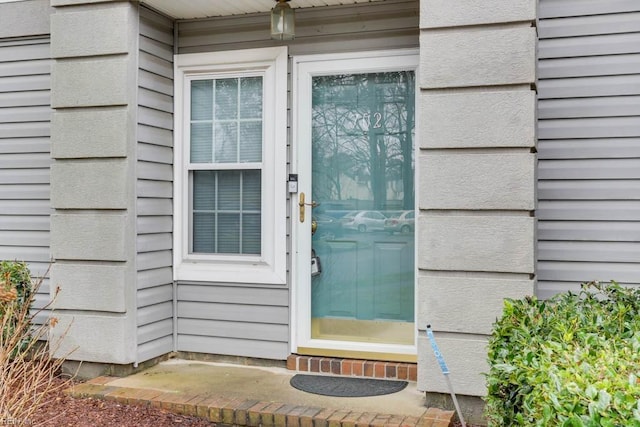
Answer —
(378, 369)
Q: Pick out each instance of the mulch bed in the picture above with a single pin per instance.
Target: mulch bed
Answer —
(62, 411)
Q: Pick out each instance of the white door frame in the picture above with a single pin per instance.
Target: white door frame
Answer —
(304, 68)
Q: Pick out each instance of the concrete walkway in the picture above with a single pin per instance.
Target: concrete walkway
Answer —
(233, 395)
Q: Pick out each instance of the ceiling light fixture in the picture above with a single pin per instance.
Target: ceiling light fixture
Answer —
(283, 24)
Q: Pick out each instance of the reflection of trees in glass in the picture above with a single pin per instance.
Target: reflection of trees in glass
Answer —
(363, 128)
(226, 120)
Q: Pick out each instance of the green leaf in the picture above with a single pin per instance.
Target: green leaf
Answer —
(591, 392)
(570, 360)
(573, 421)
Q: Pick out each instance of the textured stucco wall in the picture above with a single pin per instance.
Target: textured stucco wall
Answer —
(477, 178)
(93, 94)
(25, 18)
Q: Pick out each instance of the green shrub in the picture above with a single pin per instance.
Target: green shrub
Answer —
(573, 360)
(16, 274)
(16, 289)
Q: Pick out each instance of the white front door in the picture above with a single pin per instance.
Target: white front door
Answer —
(354, 132)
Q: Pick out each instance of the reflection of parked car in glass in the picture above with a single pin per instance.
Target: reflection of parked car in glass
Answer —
(327, 227)
(404, 222)
(363, 221)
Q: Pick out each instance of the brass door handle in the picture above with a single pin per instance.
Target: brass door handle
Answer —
(302, 206)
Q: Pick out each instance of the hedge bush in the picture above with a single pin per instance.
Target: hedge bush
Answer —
(573, 360)
(16, 290)
(16, 275)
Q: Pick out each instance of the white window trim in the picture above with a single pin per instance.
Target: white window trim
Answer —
(270, 266)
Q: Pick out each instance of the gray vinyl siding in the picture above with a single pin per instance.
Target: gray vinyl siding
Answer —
(252, 320)
(154, 186)
(390, 24)
(238, 320)
(25, 115)
(589, 143)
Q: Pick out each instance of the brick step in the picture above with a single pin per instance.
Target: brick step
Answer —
(238, 412)
(353, 367)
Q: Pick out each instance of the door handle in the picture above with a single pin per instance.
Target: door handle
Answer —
(302, 206)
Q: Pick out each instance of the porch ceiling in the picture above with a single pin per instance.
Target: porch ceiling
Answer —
(190, 9)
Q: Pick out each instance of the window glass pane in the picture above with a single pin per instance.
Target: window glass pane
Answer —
(226, 142)
(251, 233)
(215, 135)
(251, 141)
(363, 160)
(201, 137)
(251, 98)
(229, 233)
(202, 100)
(226, 127)
(227, 212)
(204, 194)
(226, 99)
(251, 191)
(204, 232)
(229, 190)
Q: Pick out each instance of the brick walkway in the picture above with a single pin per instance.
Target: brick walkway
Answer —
(239, 412)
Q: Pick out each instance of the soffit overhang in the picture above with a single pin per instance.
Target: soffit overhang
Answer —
(196, 9)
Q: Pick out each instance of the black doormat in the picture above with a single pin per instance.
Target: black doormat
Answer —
(345, 386)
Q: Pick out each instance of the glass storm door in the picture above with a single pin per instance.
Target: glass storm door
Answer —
(361, 206)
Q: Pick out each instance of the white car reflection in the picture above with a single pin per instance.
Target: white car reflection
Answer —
(363, 221)
(403, 222)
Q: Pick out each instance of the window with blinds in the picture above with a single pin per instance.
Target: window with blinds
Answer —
(226, 142)
(230, 166)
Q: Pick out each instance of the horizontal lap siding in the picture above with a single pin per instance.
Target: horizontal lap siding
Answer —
(589, 143)
(154, 186)
(25, 115)
(236, 320)
(253, 320)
